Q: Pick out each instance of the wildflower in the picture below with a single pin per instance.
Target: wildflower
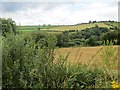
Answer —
(113, 82)
(115, 85)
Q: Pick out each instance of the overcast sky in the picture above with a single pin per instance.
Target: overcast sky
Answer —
(35, 13)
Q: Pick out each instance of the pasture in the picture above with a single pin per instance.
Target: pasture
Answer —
(78, 27)
(60, 28)
(113, 23)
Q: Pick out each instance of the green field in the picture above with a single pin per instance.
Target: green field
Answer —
(60, 28)
(113, 24)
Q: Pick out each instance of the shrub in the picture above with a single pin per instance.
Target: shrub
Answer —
(23, 64)
(28, 63)
(7, 25)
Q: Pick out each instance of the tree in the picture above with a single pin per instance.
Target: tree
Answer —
(118, 38)
(90, 21)
(90, 41)
(94, 21)
(62, 40)
(38, 28)
(7, 25)
(96, 26)
(110, 36)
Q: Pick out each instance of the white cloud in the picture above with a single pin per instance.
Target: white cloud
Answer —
(59, 0)
(64, 13)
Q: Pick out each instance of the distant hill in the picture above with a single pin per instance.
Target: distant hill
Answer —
(60, 28)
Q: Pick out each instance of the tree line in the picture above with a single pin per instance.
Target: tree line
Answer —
(93, 36)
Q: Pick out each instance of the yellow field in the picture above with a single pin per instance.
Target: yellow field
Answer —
(78, 27)
(84, 55)
(59, 29)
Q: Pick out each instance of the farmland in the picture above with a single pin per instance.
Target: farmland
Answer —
(78, 27)
(116, 24)
(59, 28)
(65, 56)
(85, 55)
(59, 44)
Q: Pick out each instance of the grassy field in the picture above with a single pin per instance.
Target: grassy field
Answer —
(62, 28)
(79, 27)
(85, 55)
(115, 24)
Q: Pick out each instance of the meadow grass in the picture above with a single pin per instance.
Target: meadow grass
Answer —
(102, 58)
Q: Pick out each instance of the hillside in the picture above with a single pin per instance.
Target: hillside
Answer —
(78, 27)
(113, 24)
(59, 28)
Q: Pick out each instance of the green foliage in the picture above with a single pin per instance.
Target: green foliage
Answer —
(109, 66)
(118, 38)
(30, 63)
(91, 41)
(81, 77)
(88, 36)
(7, 25)
(62, 40)
(21, 60)
(110, 36)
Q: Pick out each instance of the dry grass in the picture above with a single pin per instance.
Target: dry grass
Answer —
(78, 27)
(84, 55)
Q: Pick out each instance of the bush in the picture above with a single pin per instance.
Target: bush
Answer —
(7, 25)
(110, 36)
(90, 41)
(23, 63)
(30, 64)
(91, 37)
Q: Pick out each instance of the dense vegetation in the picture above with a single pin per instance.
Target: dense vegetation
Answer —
(85, 34)
(28, 61)
(7, 25)
(88, 37)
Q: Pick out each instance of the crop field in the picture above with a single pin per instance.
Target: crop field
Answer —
(85, 55)
(61, 28)
(115, 24)
(78, 27)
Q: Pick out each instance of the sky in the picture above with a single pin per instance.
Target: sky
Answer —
(59, 12)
